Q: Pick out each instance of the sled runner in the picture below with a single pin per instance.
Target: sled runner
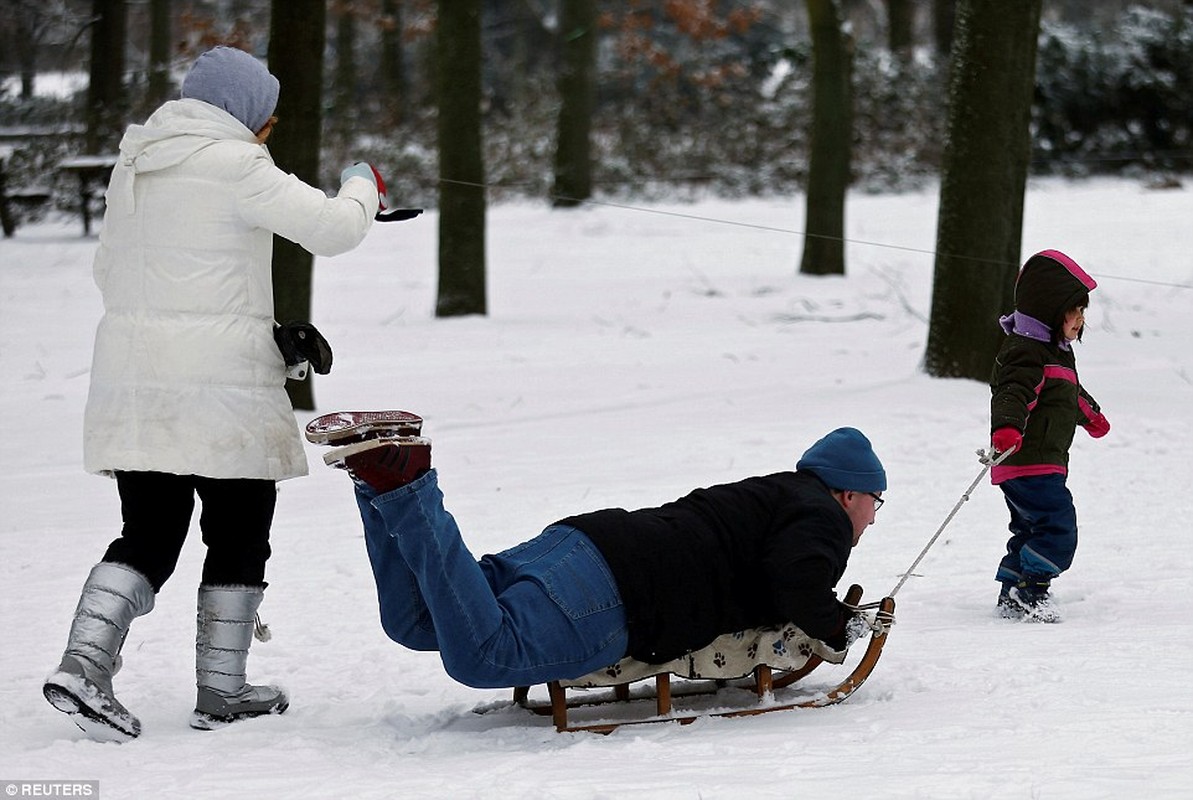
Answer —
(347, 427)
(759, 660)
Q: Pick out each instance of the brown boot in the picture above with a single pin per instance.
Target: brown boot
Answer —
(384, 464)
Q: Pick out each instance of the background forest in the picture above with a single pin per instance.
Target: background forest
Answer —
(692, 96)
(464, 103)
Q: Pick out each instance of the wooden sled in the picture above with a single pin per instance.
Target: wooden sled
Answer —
(762, 681)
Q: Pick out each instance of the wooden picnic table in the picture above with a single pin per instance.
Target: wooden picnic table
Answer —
(13, 139)
(91, 171)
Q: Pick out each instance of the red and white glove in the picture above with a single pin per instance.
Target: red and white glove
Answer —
(1006, 439)
(382, 194)
(1097, 426)
(367, 171)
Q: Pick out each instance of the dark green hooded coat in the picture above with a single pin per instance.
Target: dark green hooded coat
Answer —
(1034, 386)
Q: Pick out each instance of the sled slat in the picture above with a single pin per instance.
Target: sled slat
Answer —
(764, 684)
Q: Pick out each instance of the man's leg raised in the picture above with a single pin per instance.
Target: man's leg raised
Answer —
(464, 609)
(404, 613)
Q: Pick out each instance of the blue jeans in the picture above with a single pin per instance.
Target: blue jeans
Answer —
(1043, 529)
(545, 610)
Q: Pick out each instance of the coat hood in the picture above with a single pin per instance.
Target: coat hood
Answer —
(172, 134)
(1049, 284)
(175, 132)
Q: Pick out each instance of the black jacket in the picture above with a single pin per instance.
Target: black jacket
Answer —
(764, 550)
(1035, 390)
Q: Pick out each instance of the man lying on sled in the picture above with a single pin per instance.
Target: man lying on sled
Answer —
(652, 584)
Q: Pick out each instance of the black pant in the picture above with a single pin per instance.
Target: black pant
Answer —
(235, 521)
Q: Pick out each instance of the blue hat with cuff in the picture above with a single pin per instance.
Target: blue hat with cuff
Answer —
(844, 459)
(236, 82)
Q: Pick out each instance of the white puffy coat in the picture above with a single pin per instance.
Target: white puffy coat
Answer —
(186, 377)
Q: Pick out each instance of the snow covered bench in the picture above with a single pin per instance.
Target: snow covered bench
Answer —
(773, 657)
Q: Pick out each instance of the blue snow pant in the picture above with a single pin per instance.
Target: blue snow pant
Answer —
(548, 609)
(1043, 529)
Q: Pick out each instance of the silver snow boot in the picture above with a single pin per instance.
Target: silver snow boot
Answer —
(227, 615)
(113, 596)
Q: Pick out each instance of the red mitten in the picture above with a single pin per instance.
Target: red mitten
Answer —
(1098, 426)
(1005, 439)
(382, 196)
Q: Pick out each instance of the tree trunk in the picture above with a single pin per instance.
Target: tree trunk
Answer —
(984, 174)
(944, 14)
(393, 67)
(106, 98)
(577, 91)
(461, 163)
(901, 28)
(296, 40)
(347, 77)
(160, 86)
(832, 132)
(24, 39)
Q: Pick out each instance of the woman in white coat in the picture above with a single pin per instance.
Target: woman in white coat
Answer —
(187, 389)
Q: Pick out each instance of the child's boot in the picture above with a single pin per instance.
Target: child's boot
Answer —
(1032, 595)
(1007, 608)
(112, 597)
(226, 618)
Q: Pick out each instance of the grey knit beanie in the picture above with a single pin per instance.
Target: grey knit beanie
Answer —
(235, 81)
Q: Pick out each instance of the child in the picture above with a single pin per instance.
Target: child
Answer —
(187, 383)
(1036, 404)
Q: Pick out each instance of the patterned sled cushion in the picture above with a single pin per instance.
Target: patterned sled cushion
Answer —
(730, 656)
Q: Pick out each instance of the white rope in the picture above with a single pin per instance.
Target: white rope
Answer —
(877, 620)
(988, 458)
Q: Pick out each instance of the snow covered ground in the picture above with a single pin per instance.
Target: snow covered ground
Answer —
(630, 355)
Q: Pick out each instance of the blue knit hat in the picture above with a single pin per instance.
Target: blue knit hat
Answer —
(235, 81)
(845, 460)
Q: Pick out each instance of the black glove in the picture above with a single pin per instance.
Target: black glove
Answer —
(397, 214)
(299, 342)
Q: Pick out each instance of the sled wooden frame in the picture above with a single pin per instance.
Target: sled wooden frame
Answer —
(764, 681)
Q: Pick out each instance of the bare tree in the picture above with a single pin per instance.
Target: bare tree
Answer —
(345, 75)
(23, 27)
(107, 100)
(392, 64)
(900, 16)
(296, 39)
(832, 131)
(944, 13)
(461, 163)
(160, 86)
(577, 92)
(984, 174)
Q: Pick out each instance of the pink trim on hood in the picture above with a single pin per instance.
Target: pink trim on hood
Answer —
(1074, 269)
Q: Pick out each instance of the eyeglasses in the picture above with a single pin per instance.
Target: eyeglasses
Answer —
(878, 501)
